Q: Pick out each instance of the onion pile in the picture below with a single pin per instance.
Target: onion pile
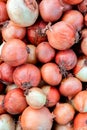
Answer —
(43, 64)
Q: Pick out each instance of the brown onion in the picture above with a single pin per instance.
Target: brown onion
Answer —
(54, 7)
(79, 101)
(36, 33)
(44, 52)
(15, 31)
(51, 73)
(64, 113)
(61, 35)
(38, 119)
(72, 84)
(14, 52)
(70, 17)
(6, 73)
(14, 101)
(26, 76)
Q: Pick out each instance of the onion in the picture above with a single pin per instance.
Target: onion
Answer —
(7, 122)
(23, 12)
(51, 73)
(61, 35)
(39, 119)
(36, 33)
(35, 98)
(6, 72)
(15, 31)
(52, 94)
(26, 76)
(15, 102)
(70, 17)
(54, 7)
(14, 52)
(72, 84)
(64, 113)
(3, 12)
(44, 52)
(80, 70)
(64, 64)
(80, 121)
(79, 101)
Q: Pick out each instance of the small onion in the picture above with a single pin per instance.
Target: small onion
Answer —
(23, 12)
(39, 119)
(36, 98)
(2, 109)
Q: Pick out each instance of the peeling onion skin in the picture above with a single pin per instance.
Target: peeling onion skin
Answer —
(23, 12)
(36, 119)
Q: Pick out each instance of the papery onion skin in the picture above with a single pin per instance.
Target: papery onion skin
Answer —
(27, 76)
(24, 13)
(15, 102)
(38, 119)
(61, 35)
(51, 73)
(15, 31)
(14, 52)
(7, 122)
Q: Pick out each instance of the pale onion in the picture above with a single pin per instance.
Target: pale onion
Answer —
(36, 98)
(23, 12)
